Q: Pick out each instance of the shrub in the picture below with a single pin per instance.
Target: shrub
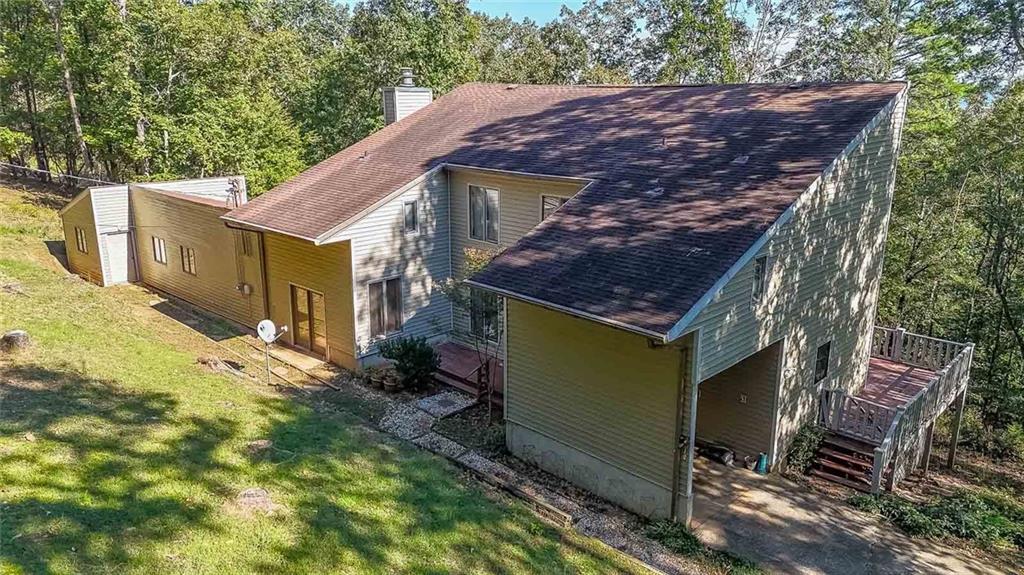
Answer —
(805, 446)
(681, 540)
(986, 518)
(415, 360)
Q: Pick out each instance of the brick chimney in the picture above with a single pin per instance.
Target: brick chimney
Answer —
(405, 98)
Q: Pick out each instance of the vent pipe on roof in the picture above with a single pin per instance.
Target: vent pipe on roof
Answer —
(405, 98)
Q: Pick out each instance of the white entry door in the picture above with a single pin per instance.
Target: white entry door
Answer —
(116, 250)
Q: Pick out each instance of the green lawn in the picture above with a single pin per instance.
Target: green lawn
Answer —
(119, 454)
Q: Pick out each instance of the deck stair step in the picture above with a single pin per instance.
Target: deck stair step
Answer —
(845, 461)
(851, 483)
(845, 458)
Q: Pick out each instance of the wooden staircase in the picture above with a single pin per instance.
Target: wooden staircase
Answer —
(845, 461)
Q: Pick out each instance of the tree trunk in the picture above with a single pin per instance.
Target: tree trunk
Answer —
(55, 7)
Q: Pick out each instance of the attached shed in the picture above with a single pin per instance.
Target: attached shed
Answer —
(99, 228)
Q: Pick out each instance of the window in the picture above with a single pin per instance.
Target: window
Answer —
(385, 307)
(760, 279)
(549, 205)
(483, 314)
(483, 214)
(188, 260)
(411, 217)
(821, 361)
(80, 242)
(159, 250)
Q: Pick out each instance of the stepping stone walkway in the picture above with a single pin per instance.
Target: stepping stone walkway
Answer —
(445, 403)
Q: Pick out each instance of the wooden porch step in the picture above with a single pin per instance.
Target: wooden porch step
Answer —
(858, 485)
(456, 382)
(848, 444)
(842, 470)
(846, 458)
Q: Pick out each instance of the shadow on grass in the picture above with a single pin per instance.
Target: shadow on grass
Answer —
(97, 478)
(84, 485)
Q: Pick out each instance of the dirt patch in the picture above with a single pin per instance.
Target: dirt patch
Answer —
(255, 501)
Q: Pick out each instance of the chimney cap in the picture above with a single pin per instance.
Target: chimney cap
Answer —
(407, 77)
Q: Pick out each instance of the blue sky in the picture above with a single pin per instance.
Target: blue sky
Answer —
(541, 11)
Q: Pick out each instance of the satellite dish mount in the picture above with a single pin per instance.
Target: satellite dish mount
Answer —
(267, 331)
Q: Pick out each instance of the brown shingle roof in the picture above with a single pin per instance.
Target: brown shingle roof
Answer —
(686, 179)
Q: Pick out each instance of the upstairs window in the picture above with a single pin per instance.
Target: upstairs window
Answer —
(410, 217)
(385, 307)
(550, 205)
(483, 214)
(80, 242)
(159, 250)
(821, 361)
(188, 260)
(760, 279)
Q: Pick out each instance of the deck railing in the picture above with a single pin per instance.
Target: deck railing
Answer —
(901, 346)
(904, 441)
(900, 433)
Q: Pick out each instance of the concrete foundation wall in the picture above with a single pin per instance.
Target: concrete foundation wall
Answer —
(611, 482)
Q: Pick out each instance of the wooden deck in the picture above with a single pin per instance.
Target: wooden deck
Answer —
(459, 365)
(893, 384)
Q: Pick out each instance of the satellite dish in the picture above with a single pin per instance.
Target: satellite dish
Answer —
(266, 330)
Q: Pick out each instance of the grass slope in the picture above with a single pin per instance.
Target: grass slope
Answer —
(118, 453)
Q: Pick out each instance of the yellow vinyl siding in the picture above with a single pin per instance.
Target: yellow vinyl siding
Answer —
(824, 270)
(325, 269)
(519, 211)
(220, 264)
(87, 265)
(596, 389)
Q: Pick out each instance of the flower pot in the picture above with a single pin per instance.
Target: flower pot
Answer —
(391, 386)
(376, 381)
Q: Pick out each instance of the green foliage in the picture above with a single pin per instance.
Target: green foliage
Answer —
(12, 143)
(803, 448)
(982, 517)
(679, 539)
(415, 360)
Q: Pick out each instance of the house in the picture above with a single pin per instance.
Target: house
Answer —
(168, 236)
(672, 266)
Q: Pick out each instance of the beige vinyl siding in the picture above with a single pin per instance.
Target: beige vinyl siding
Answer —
(824, 271)
(722, 415)
(519, 209)
(220, 266)
(382, 249)
(597, 389)
(325, 269)
(80, 215)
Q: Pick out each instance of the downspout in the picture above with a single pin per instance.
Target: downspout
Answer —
(677, 448)
(263, 275)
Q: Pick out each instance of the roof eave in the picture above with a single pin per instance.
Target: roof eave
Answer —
(659, 337)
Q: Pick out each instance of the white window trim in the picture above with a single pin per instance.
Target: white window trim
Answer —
(415, 230)
(154, 240)
(758, 300)
(81, 240)
(828, 367)
(401, 308)
(541, 207)
(469, 213)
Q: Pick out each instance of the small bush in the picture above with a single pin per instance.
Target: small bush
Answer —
(679, 539)
(415, 360)
(805, 446)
